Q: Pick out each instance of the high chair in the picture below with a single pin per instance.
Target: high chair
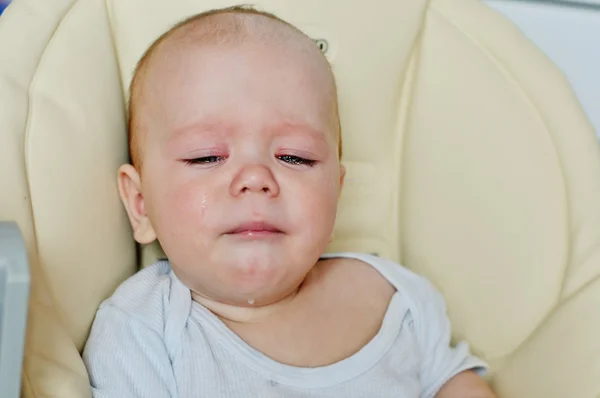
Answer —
(469, 161)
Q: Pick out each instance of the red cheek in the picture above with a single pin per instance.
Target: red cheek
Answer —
(189, 202)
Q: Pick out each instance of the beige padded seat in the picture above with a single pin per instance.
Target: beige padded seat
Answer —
(469, 160)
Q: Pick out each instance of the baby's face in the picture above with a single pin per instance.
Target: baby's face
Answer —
(240, 175)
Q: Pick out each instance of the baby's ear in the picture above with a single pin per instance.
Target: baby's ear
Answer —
(342, 176)
(130, 190)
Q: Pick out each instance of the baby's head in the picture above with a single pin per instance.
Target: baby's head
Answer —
(235, 145)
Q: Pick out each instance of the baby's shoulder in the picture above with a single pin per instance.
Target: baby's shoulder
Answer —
(352, 270)
(143, 295)
(348, 277)
(372, 272)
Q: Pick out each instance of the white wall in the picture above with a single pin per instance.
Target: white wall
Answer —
(569, 33)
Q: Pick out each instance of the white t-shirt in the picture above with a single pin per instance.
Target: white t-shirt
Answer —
(150, 339)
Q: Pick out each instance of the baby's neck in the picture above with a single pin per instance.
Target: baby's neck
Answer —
(244, 314)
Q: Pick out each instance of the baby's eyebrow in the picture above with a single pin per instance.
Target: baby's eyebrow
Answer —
(214, 127)
(303, 128)
(209, 126)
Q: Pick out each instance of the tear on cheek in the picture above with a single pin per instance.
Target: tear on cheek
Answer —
(204, 204)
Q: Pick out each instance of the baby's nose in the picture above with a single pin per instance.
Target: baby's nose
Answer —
(254, 178)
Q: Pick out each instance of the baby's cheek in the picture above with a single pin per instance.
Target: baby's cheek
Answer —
(321, 209)
(185, 209)
(190, 203)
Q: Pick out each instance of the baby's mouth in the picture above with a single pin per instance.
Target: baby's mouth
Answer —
(254, 229)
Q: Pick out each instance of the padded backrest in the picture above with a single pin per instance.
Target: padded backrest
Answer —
(468, 157)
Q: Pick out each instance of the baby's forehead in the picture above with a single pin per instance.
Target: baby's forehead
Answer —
(219, 32)
(224, 30)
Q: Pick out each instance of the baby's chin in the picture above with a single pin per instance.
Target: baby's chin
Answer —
(260, 276)
(250, 272)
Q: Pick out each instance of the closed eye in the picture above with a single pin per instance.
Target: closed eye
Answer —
(204, 160)
(296, 160)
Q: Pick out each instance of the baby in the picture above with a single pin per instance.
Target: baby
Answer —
(235, 146)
